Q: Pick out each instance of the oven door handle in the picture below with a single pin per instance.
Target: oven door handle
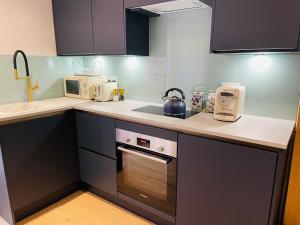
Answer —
(147, 156)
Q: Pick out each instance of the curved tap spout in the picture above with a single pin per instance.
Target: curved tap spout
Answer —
(25, 60)
(30, 88)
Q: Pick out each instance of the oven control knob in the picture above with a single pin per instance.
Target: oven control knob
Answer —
(161, 149)
(128, 140)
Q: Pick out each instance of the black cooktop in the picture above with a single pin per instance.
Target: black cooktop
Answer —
(159, 110)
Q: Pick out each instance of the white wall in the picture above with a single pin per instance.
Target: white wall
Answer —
(27, 25)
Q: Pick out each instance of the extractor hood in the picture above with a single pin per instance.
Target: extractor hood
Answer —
(173, 6)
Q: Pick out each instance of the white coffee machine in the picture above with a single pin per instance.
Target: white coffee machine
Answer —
(229, 103)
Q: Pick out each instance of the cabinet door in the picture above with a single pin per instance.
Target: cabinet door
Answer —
(109, 27)
(41, 159)
(137, 3)
(73, 26)
(222, 183)
(96, 133)
(255, 25)
(98, 171)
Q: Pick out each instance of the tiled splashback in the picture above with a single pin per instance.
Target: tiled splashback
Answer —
(49, 71)
(144, 78)
(179, 49)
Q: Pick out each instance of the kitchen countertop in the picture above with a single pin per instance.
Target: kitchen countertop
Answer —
(268, 132)
(20, 110)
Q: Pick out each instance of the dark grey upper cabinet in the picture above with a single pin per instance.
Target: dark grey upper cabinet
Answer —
(109, 26)
(256, 25)
(96, 133)
(137, 3)
(222, 183)
(137, 34)
(99, 27)
(73, 26)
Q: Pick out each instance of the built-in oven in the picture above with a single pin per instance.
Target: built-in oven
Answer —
(147, 168)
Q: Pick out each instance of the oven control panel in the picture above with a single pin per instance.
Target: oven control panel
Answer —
(150, 143)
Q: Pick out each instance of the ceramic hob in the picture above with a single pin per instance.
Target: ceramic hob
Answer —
(159, 110)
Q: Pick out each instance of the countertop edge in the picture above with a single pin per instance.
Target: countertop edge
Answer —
(182, 128)
(29, 115)
(186, 130)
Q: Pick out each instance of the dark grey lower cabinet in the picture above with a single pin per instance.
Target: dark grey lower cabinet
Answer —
(98, 171)
(223, 184)
(96, 133)
(40, 160)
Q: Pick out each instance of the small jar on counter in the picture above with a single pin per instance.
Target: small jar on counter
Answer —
(121, 94)
(197, 101)
(210, 102)
(116, 95)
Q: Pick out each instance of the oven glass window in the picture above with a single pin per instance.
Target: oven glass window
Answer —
(148, 181)
(72, 87)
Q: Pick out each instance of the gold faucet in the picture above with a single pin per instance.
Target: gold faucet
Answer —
(30, 88)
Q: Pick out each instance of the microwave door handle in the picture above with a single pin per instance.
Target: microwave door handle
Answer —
(133, 152)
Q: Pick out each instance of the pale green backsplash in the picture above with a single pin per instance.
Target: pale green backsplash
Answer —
(49, 71)
(179, 49)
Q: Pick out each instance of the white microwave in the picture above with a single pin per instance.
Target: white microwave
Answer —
(82, 86)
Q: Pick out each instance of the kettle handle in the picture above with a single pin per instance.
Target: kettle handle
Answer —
(174, 89)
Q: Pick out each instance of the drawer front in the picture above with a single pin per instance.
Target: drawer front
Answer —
(96, 133)
(147, 130)
(98, 171)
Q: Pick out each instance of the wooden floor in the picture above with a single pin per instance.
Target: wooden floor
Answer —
(84, 208)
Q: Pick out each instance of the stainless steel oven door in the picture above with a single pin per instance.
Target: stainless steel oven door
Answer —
(147, 177)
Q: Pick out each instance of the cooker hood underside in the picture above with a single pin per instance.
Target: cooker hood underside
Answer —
(173, 6)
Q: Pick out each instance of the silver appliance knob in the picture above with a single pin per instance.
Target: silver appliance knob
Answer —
(161, 149)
